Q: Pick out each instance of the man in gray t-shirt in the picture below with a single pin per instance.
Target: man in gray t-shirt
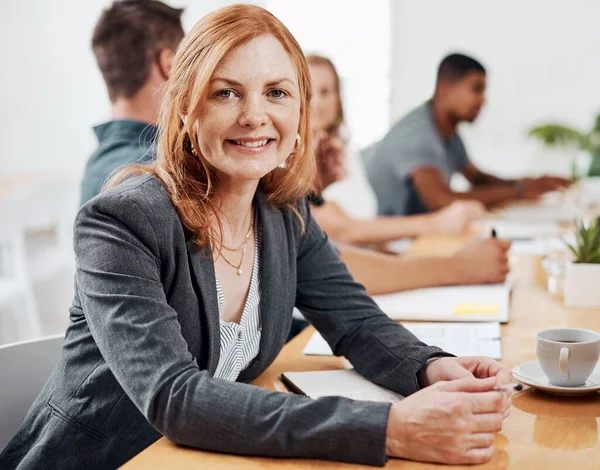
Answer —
(411, 168)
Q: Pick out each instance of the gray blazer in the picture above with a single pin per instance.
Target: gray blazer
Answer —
(142, 346)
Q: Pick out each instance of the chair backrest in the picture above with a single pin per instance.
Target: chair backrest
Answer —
(24, 369)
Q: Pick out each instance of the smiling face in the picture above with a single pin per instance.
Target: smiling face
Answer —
(249, 123)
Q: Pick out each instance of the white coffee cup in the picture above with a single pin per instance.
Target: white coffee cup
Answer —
(568, 356)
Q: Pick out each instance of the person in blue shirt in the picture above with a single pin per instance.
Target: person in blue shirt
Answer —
(134, 43)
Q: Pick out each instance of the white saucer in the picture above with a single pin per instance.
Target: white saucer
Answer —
(531, 373)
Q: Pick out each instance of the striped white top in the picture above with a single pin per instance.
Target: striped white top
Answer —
(240, 342)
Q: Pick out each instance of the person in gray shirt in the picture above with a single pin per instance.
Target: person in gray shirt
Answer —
(412, 166)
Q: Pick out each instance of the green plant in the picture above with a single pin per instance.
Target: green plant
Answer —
(587, 242)
(556, 135)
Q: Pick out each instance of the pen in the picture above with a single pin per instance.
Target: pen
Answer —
(509, 388)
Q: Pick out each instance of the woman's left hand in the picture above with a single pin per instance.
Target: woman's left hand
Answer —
(455, 368)
(452, 368)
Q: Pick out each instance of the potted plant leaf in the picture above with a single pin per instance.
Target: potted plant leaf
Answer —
(582, 276)
(557, 135)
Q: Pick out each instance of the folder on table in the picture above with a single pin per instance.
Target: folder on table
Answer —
(450, 304)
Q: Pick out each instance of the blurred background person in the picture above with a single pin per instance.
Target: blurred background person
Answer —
(411, 168)
(348, 196)
(134, 42)
(479, 262)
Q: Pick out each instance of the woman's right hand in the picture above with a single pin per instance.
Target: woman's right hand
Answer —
(449, 422)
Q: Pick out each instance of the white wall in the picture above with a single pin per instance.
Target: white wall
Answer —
(542, 58)
(51, 91)
(357, 39)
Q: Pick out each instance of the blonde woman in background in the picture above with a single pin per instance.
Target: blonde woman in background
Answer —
(186, 280)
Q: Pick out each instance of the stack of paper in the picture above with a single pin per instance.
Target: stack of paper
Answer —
(460, 339)
(457, 303)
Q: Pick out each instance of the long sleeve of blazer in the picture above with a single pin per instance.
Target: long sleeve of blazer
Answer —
(151, 338)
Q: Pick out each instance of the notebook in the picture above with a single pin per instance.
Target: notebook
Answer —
(450, 304)
(460, 339)
(341, 383)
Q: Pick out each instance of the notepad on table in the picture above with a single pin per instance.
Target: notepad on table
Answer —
(460, 339)
(458, 303)
(476, 309)
(342, 383)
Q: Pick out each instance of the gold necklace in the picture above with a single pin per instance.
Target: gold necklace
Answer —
(238, 268)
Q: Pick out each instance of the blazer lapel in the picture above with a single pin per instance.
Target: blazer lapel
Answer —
(275, 308)
(204, 274)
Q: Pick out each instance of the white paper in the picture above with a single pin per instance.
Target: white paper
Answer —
(460, 339)
(440, 303)
(541, 246)
(399, 246)
(513, 230)
(542, 213)
(317, 346)
(344, 383)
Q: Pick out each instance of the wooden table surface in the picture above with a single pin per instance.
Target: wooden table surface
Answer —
(543, 431)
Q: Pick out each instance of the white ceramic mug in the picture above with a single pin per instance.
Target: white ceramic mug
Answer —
(568, 356)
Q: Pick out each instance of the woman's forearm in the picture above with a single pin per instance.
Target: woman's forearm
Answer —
(343, 229)
(384, 274)
(386, 229)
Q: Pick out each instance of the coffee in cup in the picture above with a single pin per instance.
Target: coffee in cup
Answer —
(568, 356)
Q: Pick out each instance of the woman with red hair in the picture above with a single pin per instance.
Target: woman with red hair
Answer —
(186, 280)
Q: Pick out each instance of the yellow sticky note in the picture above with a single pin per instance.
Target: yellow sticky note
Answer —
(476, 309)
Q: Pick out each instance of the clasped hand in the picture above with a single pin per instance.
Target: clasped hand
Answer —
(454, 419)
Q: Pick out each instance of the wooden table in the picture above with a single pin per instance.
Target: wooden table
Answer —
(543, 431)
